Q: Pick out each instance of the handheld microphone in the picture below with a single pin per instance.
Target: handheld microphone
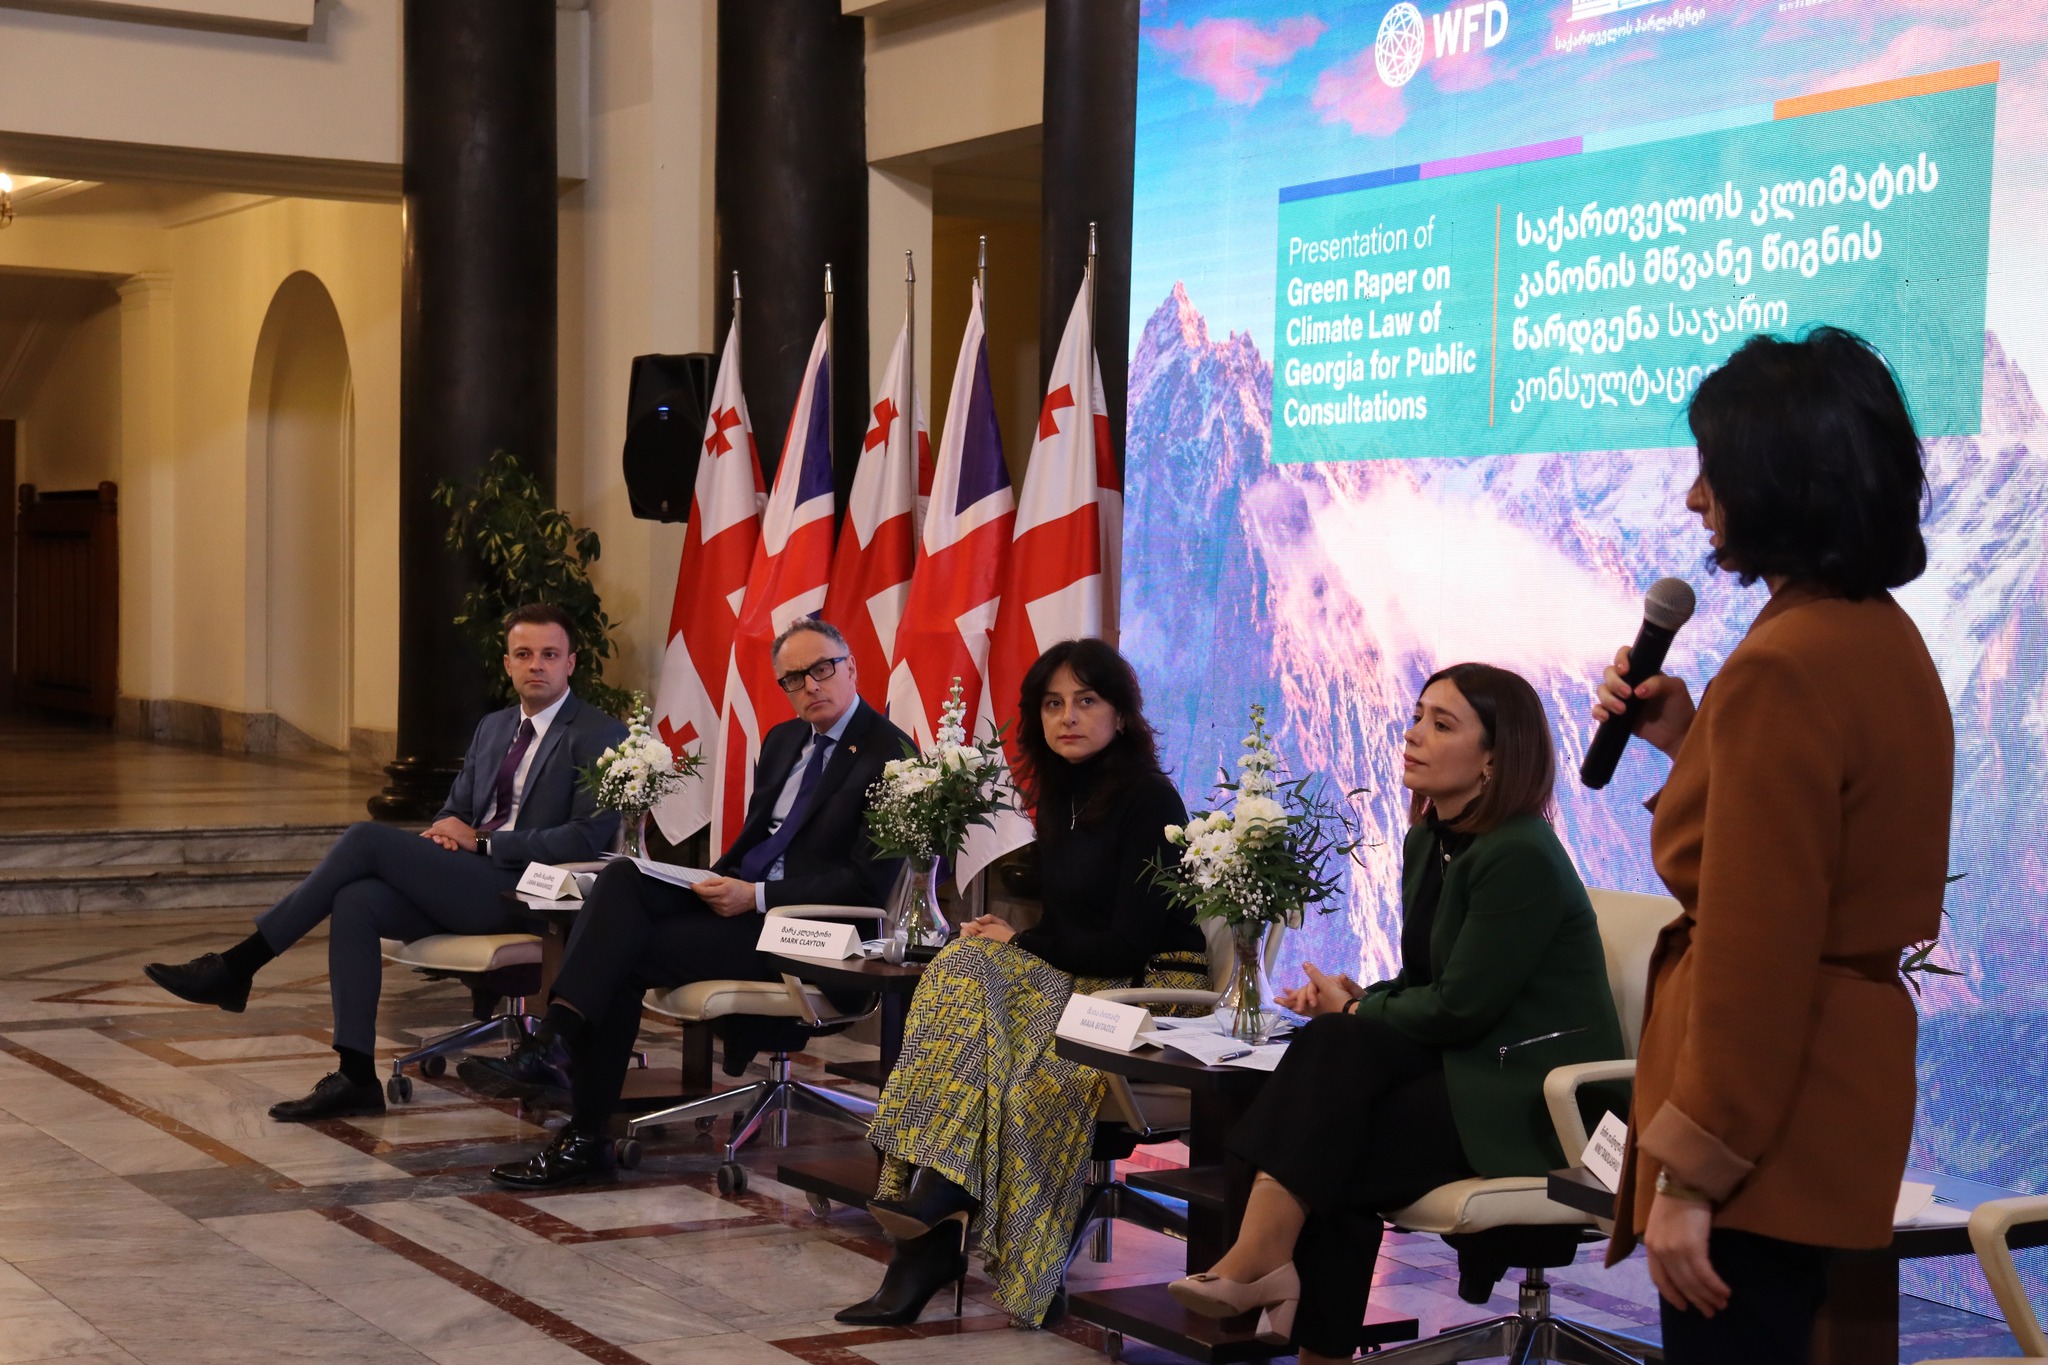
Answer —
(1666, 606)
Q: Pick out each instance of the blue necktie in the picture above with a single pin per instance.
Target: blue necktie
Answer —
(769, 851)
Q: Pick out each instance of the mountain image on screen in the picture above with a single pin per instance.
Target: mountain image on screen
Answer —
(1330, 591)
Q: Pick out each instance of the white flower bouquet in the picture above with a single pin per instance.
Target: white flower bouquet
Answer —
(1269, 853)
(921, 808)
(923, 804)
(635, 775)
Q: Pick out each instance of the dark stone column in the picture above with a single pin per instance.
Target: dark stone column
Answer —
(791, 196)
(1091, 125)
(477, 338)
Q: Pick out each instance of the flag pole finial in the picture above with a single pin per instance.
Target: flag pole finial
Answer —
(735, 295)
(981, 278)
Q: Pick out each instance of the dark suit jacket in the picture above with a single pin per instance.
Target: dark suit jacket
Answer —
(559, 822)
(1515, 957)
(829, 860)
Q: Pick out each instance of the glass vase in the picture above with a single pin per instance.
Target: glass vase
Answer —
(633, 833)
(917, 927)
(1247, 1001)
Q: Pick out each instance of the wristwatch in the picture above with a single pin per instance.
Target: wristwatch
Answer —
(483, 844)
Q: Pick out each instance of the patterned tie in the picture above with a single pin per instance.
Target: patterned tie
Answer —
(764, 855)
(502, 793)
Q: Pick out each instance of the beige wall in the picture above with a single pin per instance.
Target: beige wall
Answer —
(331, 96)
(636, 280)
(68, 434)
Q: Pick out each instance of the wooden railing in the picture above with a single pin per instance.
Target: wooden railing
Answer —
(68, 619)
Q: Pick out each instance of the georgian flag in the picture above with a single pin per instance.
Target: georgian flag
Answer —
(718, 548)
(1063, 576)
(877, 552)
(961, 553)
(787, 580)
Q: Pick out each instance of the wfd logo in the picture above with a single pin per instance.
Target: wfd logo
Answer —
(1398, 50)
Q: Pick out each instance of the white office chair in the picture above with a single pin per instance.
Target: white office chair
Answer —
(806, 1014)
(494, 967)
(1513, 1218)
(1990, 1224)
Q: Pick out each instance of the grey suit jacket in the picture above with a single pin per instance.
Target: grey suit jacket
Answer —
(559, 822)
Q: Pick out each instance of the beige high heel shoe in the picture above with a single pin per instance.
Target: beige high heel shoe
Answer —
(1276, 1292)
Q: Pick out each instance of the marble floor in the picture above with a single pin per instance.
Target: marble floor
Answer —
(150, 1212)
(65, 775)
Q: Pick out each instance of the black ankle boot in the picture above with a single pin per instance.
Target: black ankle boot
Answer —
(931, 1200)
(920, 1268)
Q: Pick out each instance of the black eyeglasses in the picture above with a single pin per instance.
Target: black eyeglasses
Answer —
(817, 672)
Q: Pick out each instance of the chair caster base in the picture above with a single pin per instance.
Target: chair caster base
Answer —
(398, 1089)
(732, 1178)
(434, 1067)
(626, 1151)
(820, 1205)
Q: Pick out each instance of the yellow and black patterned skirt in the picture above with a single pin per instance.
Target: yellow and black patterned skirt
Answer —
(979, 1096)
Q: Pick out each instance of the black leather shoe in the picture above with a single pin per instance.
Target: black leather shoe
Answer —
(205, 980)
(573, 1158)
(535, 1071)
(921, 1267)
(931, 1200)
(335, 1097)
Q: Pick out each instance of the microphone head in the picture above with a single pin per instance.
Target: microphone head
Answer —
(1669, 603)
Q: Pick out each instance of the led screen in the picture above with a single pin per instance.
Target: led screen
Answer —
(1419, 294)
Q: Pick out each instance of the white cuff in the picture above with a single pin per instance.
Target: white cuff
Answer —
(760, 898)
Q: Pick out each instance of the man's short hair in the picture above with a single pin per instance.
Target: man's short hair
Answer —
(541, 614)
(811, 624)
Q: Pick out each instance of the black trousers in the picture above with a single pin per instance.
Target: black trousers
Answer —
(638, 934)
(1775, 1290)
(1356, 1120)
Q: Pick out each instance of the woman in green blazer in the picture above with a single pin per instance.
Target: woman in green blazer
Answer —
(1436, 1074)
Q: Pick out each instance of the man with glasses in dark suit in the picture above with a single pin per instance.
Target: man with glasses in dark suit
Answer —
(803, 843)
(516, 801)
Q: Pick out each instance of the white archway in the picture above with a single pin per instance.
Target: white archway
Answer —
(301, 420)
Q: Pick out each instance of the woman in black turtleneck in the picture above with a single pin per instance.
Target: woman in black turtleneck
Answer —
(980, 1119)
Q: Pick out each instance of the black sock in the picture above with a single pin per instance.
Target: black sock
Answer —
(249, 957)
(562, 1024)
(360, 1068)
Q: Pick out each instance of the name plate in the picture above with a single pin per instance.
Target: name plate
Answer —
(549, 883)
(1602, 1156)
(808, 937)
(1102, 1023)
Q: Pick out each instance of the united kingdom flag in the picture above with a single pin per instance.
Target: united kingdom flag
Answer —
(718, 548)
(787, 580)
(961, 554)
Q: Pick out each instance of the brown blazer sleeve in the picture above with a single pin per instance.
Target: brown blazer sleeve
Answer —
(1772, 838)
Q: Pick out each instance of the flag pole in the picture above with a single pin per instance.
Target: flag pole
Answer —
(1089, 271)
(981, 280)
(830, 377)
(735, 296)
(910, 347)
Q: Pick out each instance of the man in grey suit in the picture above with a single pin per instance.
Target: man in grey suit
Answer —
(517, 801)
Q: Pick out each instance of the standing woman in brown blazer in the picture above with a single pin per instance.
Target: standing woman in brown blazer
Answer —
(1804, 829)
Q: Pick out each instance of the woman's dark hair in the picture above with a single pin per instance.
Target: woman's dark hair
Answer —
(1809, 450)
(1046, 779)
(1518, 737)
